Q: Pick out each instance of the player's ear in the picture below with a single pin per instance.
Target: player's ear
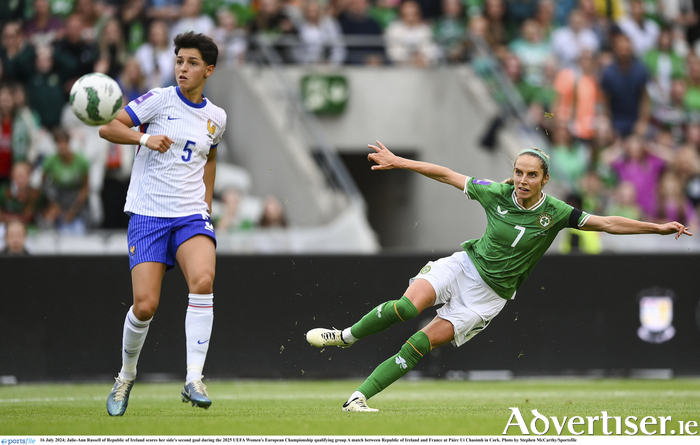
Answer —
(209, 71)
(545, 179)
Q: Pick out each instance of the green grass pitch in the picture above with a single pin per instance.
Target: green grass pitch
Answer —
(426, 407)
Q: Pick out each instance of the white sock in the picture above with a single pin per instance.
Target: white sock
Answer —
(198, 322)
(347, 336)
(133, 338)
(355, 395)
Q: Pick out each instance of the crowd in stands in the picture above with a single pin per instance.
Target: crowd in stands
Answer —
(613, 84)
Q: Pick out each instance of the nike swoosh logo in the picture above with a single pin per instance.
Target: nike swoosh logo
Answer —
(502, 212)
(201, 342)
(172, 118)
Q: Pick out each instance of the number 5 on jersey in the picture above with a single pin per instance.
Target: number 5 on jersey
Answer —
(188, 151)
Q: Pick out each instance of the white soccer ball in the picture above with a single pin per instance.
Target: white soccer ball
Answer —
(95, 98)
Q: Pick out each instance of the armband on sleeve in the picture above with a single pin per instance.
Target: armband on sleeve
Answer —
(574, 217)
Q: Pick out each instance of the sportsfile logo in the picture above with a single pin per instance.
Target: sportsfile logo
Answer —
(27, 441)
(611, 425)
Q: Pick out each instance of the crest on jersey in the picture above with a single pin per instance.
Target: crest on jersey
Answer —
(656, 315)
(132, 250)
(211, 127)
(544, 220)
(425, 270)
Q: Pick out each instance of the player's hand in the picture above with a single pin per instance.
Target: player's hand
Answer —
(385, 159)
(674, 227)
(159, 143)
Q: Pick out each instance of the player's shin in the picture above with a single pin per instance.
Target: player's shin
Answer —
(383, 316)
(134, 336)
(397, 366)
(198, 323)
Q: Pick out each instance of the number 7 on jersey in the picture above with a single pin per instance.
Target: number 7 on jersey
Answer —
(520, 235)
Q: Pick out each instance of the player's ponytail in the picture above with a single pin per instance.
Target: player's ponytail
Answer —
(509, 181)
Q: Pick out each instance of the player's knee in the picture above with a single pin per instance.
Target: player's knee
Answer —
(145, 310)
(202, 283)
(405, 309)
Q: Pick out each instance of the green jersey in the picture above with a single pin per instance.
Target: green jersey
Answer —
(515, 237)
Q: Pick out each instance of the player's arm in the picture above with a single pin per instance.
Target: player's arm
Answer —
(209, 177)
(387, 160)
(119, 131)
(618, 225)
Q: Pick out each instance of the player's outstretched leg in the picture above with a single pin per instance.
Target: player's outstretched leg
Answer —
(376, 320)
(196, 393)
(388, 372)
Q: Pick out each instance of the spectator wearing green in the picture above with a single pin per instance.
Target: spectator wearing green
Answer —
(66, 187)
(449, 30)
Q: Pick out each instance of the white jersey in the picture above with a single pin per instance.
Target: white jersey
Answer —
(171, 184)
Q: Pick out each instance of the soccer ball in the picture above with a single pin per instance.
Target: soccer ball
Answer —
(95, 99)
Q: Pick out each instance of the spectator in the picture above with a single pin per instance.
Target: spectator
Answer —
(131, 81)
(512, 68)
(355, 21)
(671, 115)
(272, 21)
(156, 57)
(133, 20)
(77, 56)
(231, 219)
(321, 37)
(43, 27)
(229, 38)
(568, 42)
(15, 238)
(594, 199)
(624, 90)
(429, 9)
(599, 24)
(518, 12)
(14, 134)
(93, 18)
(544, 96)
(673, 202)
(16, 54)
(449, 30)
(112, 47)
(45, 88)
(192, 19)
(545, 15)
(663, 65)
(66, 187)
(643, 32)
(409, 40)
(569, 159)
(29, 119)
(532, 50)
(384, 12)
(613, 10)
(692, 93)
(17, 199)
(624, 202)
(273, 213)
(577, 96)
(635, 163)
(495, 14)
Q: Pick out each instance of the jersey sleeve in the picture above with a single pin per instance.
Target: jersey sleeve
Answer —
(220, 131)
(483, 190)
(145, 108)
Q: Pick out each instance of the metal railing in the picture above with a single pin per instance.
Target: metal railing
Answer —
(325, 153)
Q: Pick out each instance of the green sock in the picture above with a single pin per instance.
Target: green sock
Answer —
(397, 366)
(383, 316)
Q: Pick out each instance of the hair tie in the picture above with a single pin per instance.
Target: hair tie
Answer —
(540, 154)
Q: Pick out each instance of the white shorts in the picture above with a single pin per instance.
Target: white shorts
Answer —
(470, 303)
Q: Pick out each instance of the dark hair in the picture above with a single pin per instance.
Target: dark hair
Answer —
(60, 134)
(543, 164)
(206, 46)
